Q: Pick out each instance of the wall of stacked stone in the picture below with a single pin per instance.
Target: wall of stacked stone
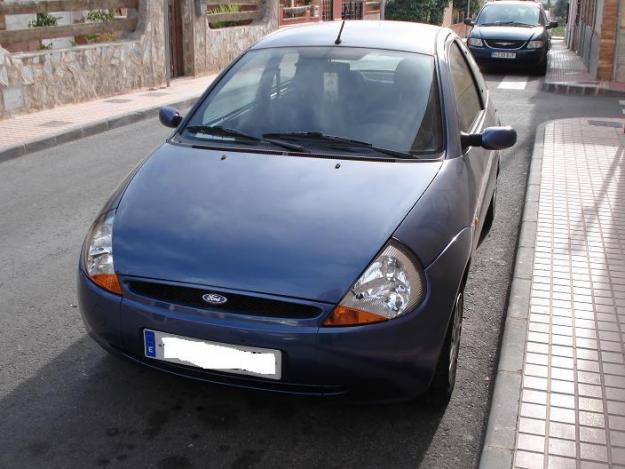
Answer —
(40, 80)
(209, 50)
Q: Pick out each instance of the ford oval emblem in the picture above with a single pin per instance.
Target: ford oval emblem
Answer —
(214, 299)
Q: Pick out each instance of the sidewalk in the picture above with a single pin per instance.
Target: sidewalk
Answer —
(31, 132)
(567, 74)
(559, 399)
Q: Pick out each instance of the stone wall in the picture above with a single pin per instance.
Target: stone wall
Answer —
(209, 50)
(39, 80)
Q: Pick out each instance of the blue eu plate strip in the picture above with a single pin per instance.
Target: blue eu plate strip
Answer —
(150, 343)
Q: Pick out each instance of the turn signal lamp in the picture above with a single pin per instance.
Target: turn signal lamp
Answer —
(99, 254)
(391, 286)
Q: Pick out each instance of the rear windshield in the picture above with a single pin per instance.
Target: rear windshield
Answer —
(509, 14)
(386, 98)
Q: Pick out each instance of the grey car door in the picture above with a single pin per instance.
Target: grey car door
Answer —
(472, 118)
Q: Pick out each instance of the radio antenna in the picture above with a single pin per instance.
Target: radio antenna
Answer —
(338, 38)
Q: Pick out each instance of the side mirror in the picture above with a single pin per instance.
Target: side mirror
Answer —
(169, 117)
(552, 24)
(469, 22)
(492, 138)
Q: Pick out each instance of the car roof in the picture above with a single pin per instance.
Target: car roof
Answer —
(393, 35)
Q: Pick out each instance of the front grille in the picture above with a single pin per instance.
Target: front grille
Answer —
(236, 304)
(503, 44)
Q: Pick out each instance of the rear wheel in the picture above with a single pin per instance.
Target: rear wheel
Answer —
(445, 375)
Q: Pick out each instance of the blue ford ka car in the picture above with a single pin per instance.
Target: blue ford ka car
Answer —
(309, 225)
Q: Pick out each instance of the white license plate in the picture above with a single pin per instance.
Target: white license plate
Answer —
(503, 55)
(209, 355)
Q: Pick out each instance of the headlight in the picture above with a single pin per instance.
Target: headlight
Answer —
(389, 287)
(475, 41)
(535, 44)
(98, 254)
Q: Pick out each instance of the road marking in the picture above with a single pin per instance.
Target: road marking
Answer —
(622, 102)
(513, 83)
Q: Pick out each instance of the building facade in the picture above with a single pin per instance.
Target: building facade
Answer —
(596, 31)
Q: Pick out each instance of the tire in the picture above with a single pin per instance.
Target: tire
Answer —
(444, 380)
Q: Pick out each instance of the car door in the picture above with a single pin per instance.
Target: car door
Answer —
(472, 117)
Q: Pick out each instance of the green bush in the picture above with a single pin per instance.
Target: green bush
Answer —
(418, 11)
(224, 8)
(100, 16)
(43, 19)
(561, 8)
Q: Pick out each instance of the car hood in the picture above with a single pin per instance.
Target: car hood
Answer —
(513, 33)
(295, 226)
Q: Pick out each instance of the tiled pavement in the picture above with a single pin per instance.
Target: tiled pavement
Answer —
(559, 399)
(72, 121)
(567, 73)
(572, 411)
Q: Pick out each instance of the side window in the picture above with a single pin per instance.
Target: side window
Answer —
(467, 97)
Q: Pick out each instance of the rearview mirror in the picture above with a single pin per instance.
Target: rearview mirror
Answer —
(169, 117)
(468, 22)
(552, 24)
(492, 138)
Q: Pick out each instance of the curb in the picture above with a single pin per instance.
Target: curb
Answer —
(500, 439)
(578, 89)
(88, 129)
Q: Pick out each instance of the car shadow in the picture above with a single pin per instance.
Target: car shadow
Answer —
(88, 409)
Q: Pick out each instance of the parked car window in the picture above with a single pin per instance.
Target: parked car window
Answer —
(467, 97)
(502, 13)
(387, 98)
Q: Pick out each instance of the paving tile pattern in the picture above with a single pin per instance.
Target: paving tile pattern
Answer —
(28, 127)
(572, 410)
(565, 65)
(566, 72)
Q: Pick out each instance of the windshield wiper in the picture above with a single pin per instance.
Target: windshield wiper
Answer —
(221, 131)
(500, 23)
(341, 141)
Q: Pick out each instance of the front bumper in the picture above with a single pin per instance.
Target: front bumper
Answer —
(392, 359)
(525, 58)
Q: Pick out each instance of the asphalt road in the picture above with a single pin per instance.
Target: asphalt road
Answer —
(65, 403)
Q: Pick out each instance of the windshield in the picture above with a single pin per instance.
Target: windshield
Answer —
(509, 14)
(383, 98)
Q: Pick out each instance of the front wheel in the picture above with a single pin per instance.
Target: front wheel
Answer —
(445, 375)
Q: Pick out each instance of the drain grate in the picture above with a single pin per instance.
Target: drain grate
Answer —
(616, 125)
(54, 124)
(117, 100)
